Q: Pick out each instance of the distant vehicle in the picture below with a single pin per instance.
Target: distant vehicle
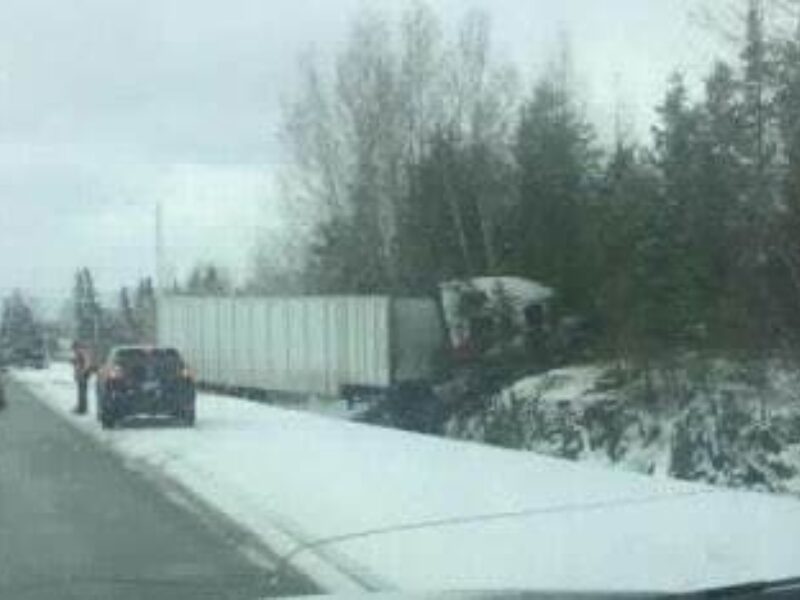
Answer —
(144, 381)
(28, 353)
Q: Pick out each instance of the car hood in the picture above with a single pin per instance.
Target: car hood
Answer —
(680, 542)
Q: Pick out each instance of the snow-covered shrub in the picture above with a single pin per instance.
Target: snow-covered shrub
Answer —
(702, 425)
(727, 442)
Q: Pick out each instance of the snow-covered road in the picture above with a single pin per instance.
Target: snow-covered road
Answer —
(361, 507)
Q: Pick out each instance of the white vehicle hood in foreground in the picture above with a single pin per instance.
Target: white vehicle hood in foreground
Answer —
(680, 542)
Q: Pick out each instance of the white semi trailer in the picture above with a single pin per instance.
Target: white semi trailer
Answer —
(325, 345)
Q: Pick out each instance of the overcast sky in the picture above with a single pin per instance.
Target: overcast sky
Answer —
(107, 106)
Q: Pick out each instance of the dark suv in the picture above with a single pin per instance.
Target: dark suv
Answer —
(141, 380)
(25, 355)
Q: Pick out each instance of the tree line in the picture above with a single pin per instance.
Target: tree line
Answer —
(132, 320)
(418, 159)
(19, 324)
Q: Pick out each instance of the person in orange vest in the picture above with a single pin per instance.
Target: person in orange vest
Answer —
(82, 367)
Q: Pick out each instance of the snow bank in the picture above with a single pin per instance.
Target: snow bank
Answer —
(708, 429)
(357, 506)
(571, 384)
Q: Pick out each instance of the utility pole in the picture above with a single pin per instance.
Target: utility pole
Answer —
(160, 275)
(159, 241)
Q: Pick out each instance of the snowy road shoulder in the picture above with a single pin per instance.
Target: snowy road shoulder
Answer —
(361, 507)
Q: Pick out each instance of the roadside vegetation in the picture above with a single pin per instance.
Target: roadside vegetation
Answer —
(426, 158)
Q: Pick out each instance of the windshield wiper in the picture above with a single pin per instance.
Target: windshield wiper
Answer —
(782, 588)
(202, 582)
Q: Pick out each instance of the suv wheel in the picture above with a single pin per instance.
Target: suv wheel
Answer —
(105, 416)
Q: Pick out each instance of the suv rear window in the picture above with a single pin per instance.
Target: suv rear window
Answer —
(139, 362)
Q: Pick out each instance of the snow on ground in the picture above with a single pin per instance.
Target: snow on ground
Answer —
(334, 408)
(570, 384)
(357, 506)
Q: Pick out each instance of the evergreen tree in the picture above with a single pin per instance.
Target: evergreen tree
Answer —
(87, 311)
(761, 209)
(717, 205)
(673, 265)
(18, 324)
(144, 304)
(557, 164)
(128, 323)
(787, 239)
(630, 190)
